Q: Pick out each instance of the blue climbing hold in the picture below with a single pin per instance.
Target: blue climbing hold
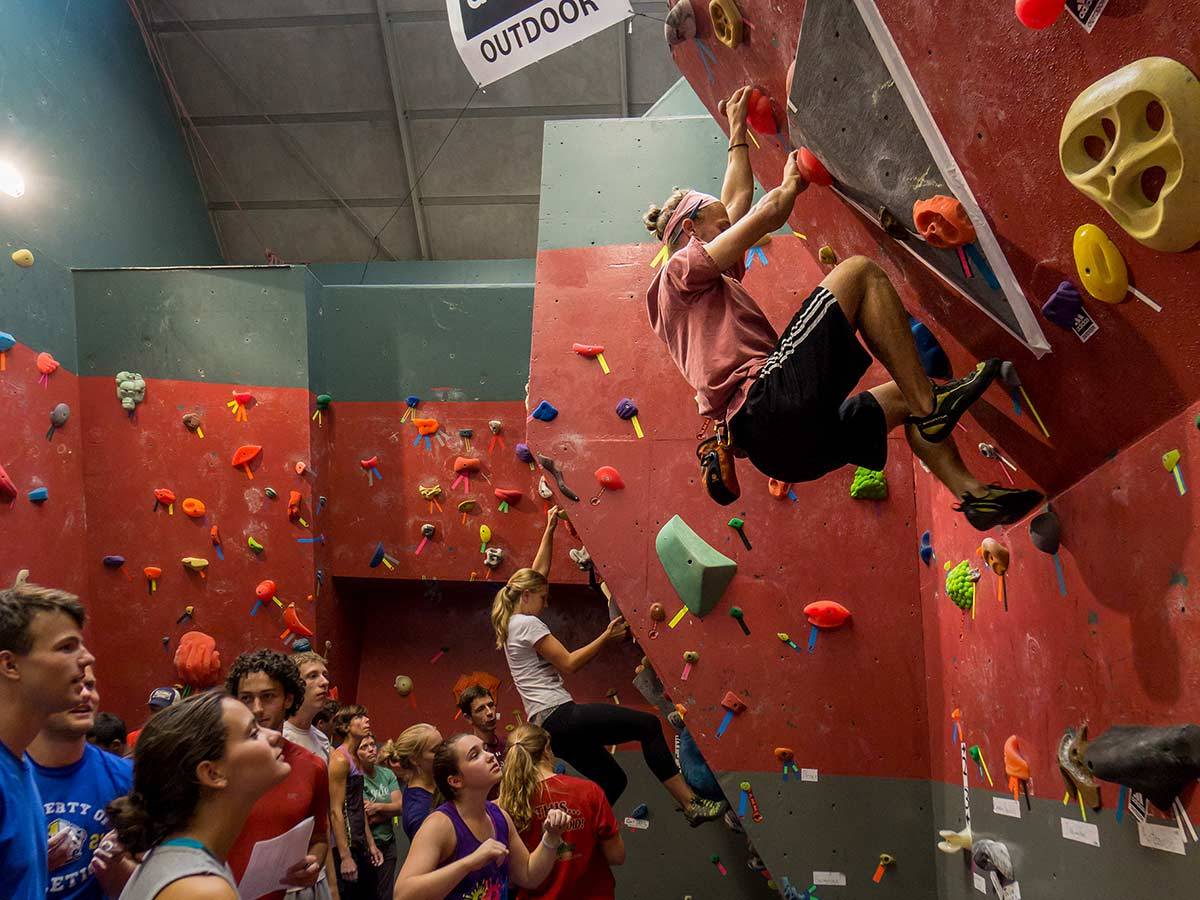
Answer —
(39, 495)
(114, 562)
(412, 400)
(926, 550)
(933, 357)
(545, 412)
(640, 811)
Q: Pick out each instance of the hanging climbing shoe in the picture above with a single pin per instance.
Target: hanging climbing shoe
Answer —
(952, 399)
(999, 506)
(717, 468)
(700, 810)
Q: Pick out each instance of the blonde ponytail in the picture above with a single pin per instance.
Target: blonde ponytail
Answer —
(405, 750)
(656, 217)
(509, 596)
(527, 746)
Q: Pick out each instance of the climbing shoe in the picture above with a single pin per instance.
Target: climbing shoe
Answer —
(717, 469)
(700, 810)
(999, 506)
(952, 399)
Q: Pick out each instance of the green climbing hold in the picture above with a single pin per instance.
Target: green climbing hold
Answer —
(254, 545)
(868, 485)
(698, 572)
(960, 584)
(323, 401)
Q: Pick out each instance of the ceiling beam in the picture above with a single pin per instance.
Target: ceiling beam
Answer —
(406, 142)
(377, 202)
(623, 66)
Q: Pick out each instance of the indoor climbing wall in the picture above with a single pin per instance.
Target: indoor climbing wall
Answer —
(853, 748)
(1109, 641)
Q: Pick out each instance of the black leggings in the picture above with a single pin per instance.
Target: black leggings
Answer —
(579, 734)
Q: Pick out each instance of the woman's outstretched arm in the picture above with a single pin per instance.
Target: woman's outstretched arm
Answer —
(541, 562)
(738, 189)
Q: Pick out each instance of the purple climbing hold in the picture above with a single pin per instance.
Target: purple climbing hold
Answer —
(114, 561)
(545, 412)
(1063, 306)
(524, 454)
(627, 409)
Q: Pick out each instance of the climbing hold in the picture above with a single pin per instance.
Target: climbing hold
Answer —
(237, 406)
(826, 614)
(463, 467)
(995, 555)
(1072, 753)
(734, 706)
(524, 454)
(426, 426)
(485, 535)
(679, 26)
(552, 467)
(760, 112)
(493, 556)
(47, 365)
(869, 485)
(593, 351)
(544, 489)
(270, 493)
(507, 497)
(926, 548)
(778, 489)
(690, 658)
(737, 614)
(191, 421)
(22, 258)
(467, 506)
(403, 685)
(943, 222)
(8, 489)
(246, 454)
(152, 573)
(58, 418)
(193, 508)
(698, 572)
(1131, 143)
(214, 535)
(627, 409)
(370, 465)
(411, 402)
(827, 256)
(293, 507)
(1157, 762)
(738, 524)
(933, 358)
(427, 532)
(254, 545)
(7, 342)
(954, 841)
(658, 612)
(726, 22)
(197, 661)
(544, 412)
(812, 169)
(195, 564)
(1016, 767)
(885, 860)
(294, 627)
(1170, 461)
(164, 497)
(324, 401)
(1045, 530)
(1038, 14)
(114, 561)
(960, 584)
(382, 556)
(610, 479)
(992, 856)
(1063, 306)
(131, 390)
(39, 495)
(1100, 264)
(581, 558)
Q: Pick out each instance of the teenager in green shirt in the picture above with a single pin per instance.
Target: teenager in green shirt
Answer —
(381, 798)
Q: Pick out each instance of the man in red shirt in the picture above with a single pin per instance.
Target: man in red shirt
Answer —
(270, 686)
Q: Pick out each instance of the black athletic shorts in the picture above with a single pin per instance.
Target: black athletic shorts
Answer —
(797, 423)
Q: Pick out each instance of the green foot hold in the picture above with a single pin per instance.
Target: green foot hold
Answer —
(698, 572)
(868, 485)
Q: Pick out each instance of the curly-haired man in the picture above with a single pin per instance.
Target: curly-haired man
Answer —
(270, 686)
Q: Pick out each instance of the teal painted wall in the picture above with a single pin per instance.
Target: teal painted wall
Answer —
(679, 100)
(437, 271)
(108, 181)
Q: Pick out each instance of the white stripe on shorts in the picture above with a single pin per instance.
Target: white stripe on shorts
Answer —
(796, 336)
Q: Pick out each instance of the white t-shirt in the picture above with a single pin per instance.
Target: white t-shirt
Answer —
(538, 682)
(312, 739)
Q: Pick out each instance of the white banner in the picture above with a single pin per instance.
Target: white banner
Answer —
(497, 37)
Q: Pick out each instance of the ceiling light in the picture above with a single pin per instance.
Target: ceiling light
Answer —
(11, 182)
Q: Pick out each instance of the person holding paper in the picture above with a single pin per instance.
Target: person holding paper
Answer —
(269, 684)
(198, 769)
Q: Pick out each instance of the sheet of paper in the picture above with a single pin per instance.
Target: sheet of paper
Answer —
(1012, 891)
(1161, 837)
(980, 882)
(808, 774)
(1006, 806)
(833, 878)
(270, 859)
(1084, 832)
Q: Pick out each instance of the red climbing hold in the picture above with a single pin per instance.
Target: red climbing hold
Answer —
(508, 495)
(464, 464)
(813, 169)
(8, 490)
(760, 112)
(591, 351)
(826, 613)
(610, 479)
(1038, 14)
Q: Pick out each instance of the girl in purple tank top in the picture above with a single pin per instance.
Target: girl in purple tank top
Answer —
(468, 848)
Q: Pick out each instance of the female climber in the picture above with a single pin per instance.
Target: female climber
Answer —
(783, 402)
(468, 847)
(581, 731)
(410, 756)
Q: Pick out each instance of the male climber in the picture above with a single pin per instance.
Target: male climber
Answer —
(783, 402)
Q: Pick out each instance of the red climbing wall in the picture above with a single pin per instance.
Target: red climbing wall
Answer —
(48, 538)
(999, 100)
(803, 551)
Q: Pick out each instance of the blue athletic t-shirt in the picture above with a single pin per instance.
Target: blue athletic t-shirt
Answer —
(74, 797)
(22, 831)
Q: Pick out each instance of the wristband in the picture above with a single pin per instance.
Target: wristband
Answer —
(551, 846)
(733, 147)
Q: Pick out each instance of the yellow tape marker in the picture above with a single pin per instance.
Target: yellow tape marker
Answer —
(678, 618)
(603, 362)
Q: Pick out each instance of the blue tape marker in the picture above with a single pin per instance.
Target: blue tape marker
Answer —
(812, 639)
(981, 264)
(1121, 800)
(254, 610)
(220, 552)
(1062, 582)
(743, 801)
(792, 496)
(725, 722)
(1016, 399)
(417, 442)
(954, 733)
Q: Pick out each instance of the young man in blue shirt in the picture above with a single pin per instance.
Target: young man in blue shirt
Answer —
(77, 780)
(43, 662)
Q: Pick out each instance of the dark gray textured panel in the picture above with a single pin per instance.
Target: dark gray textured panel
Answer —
(842, 824)
(1047, 865)
(844, 106)
(242, 326)
(384, 342)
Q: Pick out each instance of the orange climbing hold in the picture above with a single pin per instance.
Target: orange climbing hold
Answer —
(464, 464)
(943, 222)
(193, 507)
(244, 456)
(425, 426)
(826, 613)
